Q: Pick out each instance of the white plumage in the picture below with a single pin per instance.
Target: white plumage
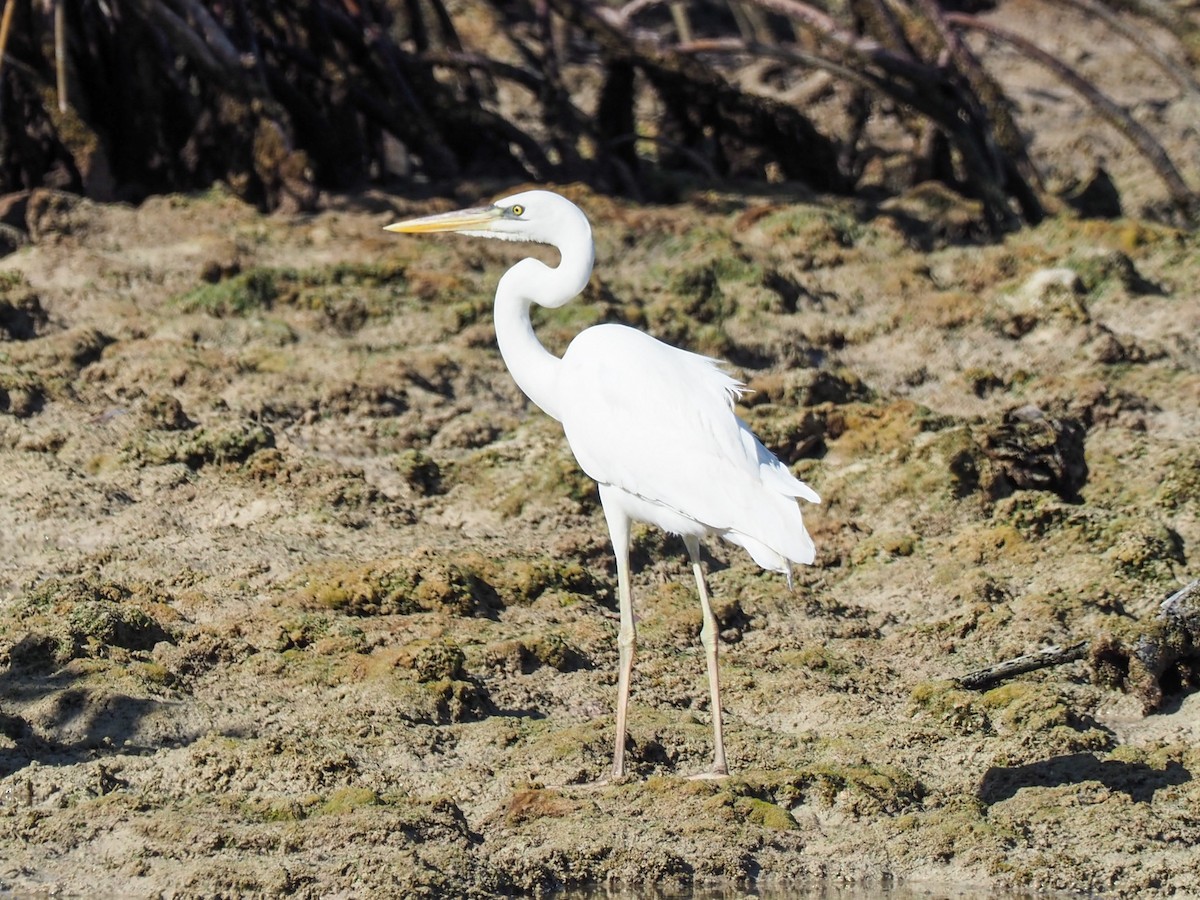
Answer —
(657, 423)
(652, 424)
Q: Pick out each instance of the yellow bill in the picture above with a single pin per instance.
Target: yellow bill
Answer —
(477, 218)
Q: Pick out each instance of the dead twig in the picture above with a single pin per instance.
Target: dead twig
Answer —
(989, 676)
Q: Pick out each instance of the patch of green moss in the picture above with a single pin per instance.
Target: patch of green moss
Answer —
(1180, 488)
(883, 546)
(348, 294)
(859, 787)
(347, 800)
(440, 660)
(226, 443)
(423, 581)
(529, 653)
(420, 472)
(766, 814)
(110, 624)
(1100, 271)
(280, 809)
(301, 632)
(950, 705)
(558, 476)
(1145, 551)
(442, 702)
(97, 614)
(245, 292)
(963, 831)
(1024, 706)
(817, 658)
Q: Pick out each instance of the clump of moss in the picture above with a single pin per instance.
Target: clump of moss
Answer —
(1145, 551)
(950, 705)
(1025, 707)
(806, 387)
(522, 581)
(440, 660)
(427, 581)
(883, 546)
(225, 443)
(552, 650)
(301, 632)
(280, 809)
(423, 581)
(420, 472)
(91, 614)
(165, 412)
(861, 788)
(558, 476)
(530, 653)
(1098, 271)
(1181, 486)
(444, 701)
(242, 293)
(766, 814)
(347, 294)
(21, 394)
(101, 624)
(348, 799)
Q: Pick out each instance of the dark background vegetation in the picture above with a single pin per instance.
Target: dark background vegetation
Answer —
(126, 98)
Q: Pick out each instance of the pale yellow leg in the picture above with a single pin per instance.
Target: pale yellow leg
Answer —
(708, 637)
(618, 529)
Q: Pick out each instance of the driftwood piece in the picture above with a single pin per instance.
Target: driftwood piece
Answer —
(989, 676)
(1155, 659)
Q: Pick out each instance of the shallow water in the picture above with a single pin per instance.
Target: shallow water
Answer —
(799, 891)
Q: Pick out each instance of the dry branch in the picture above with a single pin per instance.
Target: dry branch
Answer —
(989, 676)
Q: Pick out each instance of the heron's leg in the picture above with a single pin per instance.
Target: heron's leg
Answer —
(618, 529)
(708, 637)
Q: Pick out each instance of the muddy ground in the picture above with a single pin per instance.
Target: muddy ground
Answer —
(298, 595)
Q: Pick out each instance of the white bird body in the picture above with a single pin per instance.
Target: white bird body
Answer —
(653, 425)
(708, 474)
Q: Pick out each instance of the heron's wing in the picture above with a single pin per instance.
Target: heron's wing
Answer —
(657, 422)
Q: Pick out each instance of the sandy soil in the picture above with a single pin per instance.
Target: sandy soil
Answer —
(298, 595)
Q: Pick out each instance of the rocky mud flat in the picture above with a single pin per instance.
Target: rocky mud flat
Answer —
(299, 595)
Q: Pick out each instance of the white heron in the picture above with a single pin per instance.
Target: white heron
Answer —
(652, 424)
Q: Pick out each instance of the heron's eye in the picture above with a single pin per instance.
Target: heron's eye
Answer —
(517, 210)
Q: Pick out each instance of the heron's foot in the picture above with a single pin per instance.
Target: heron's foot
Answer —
(606, 781)
(714, 775)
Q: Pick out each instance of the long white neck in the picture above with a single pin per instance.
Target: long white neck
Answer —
(533, 367)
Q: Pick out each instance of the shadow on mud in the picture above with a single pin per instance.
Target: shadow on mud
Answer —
(1136, 779)
(62, 722)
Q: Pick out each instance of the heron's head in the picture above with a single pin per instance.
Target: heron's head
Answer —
(540, 216)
